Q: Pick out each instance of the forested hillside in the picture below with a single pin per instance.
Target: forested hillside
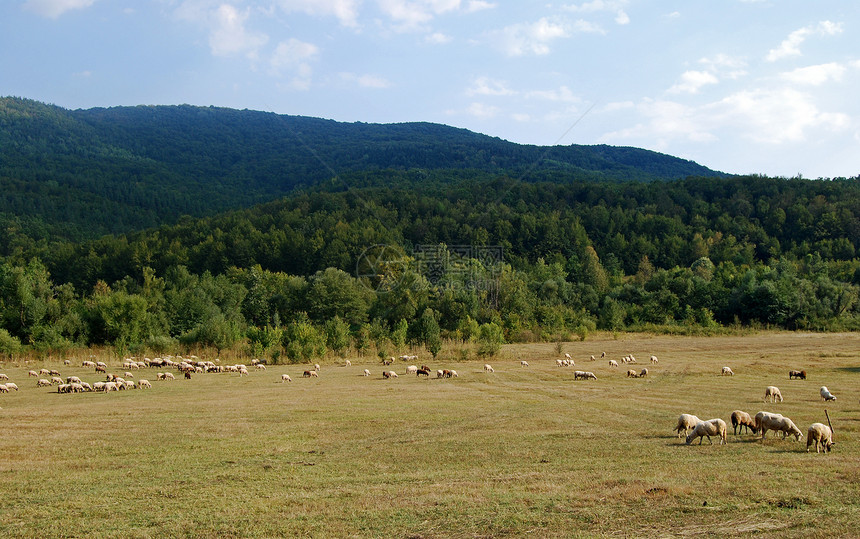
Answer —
(80, 174)
(373, 260)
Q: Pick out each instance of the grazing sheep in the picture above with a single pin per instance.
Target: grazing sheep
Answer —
(488, 368)
(559, 363)
(348, 363)
(111, 386)
(389, 374)
(307, 374)
(602, 355)
(4, 388)
(99, 368)
(593, 358)
(727, 371)
(187, 375)
(797, 374)
(567, 357)
(11, 385)
(411, 369)
(425, 372)
(741, 419)
(64, 388)
(144, 384)
(169, 376)
(440, 373)
(286, 378)
(632, 374)
(87, 363)
(584, 375)
(613, 363)
(776, 422)
(128, 375)
(366, 372)
(99, 386)
(826, 394)
(44, 372)
(654, 359)
(56, 380)
(643, 373)
(685, 422)
(317, 367)
(33, 374)
(243, 371)
(73, 380)
(388, 361)
(771, 394)
(524, 363)
(260, 367)
(3, 376)
(711, 427)
(43, 382)
(819, 433)
(454, 374)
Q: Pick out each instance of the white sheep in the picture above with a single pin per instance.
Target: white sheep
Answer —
(488, 368)
(559, 363)
(3, 376)
(454, 374)
(367, 372)
(243, 371)
(42, 382)
(33, 374)
(819, 433)
(524, 363)
(348, 363)
(11, 385)
(169, 376)
(593, 358)
(144, 384)
(56, 380)
(99, 386)
(584, 375)
(411, 369)
(4, 388)
(111, 386)
(613, 363)
(260, 367)
(317, 367)
(727, 371)
(826, 394)
(771, 394)
(654, 359)
(286, 378)
(643, 373)
(711, 427)
(685, 422)
(632, 374)
(776, 422)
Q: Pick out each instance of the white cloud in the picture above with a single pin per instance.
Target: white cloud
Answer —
(763, 116)
(775, 116)
(488, 86)
(411, 14)
(562, 94)
(535, 38)
(479, 5)
(228, 35)
(616, 6)
(366, 81)
(815, 75)
(346, 11)
(54, 8)
(692, 81)
(438, 38)
(724, 65)
(791, 45)
(481, 110)
(293, 56)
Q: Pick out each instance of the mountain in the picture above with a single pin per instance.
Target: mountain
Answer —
(79, 174)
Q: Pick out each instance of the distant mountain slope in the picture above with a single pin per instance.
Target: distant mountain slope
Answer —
(84, 173)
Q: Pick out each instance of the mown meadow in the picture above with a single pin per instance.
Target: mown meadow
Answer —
(521, 451)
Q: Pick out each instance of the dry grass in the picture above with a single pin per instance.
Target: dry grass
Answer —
(523, 451)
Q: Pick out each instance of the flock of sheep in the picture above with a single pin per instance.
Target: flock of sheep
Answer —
(818, 434)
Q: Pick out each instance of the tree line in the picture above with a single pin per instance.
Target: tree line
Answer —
(375, 261)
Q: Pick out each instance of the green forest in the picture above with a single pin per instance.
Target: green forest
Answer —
(371, 259)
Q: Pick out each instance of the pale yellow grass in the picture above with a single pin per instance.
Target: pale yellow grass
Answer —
(522, 451)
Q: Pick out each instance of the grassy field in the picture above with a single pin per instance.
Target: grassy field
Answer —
(524, 451)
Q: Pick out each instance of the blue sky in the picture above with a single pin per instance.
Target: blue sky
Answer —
(741, 86)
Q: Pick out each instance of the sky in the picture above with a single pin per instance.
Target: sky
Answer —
(741, 86)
